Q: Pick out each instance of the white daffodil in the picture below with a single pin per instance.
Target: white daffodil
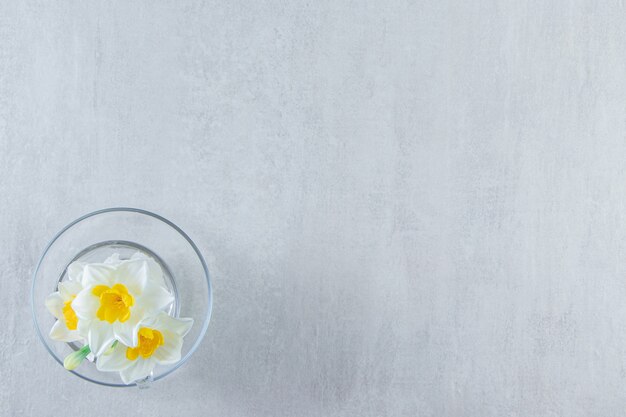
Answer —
(59, 303)
(160, 343)
(116, 296)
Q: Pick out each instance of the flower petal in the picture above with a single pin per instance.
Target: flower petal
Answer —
(113, 259)
(169, 351)
(68, 289)
(115, 361)
(155, 273)
(85, 304)
(75, 271)
(180, 326)
(126, 332)
(139, 369)
(139, 255)
(83, 327)
(155, 297)
(100, 336)
(61, 333)
(54, 303)
(133, 274)
(98, 274)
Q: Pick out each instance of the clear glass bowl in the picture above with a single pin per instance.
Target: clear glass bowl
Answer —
(93, 238)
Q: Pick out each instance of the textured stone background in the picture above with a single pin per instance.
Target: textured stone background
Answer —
(409, 208)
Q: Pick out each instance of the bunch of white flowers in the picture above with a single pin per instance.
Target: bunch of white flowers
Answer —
(117, 310)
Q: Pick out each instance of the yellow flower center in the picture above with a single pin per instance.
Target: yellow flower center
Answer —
(149, 341)
(71, 321)
(115, 302)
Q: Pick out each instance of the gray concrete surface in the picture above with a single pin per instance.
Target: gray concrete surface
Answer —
(409, 208)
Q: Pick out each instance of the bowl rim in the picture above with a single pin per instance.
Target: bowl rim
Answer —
(207, 319)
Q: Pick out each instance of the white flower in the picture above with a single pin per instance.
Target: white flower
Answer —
(116, 296)
(160, 342)
(59, 303)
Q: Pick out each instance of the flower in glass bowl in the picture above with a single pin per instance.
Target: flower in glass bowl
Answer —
(116, 296)
(160, 340)
(59, 303)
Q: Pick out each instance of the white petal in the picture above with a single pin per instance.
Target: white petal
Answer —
(180, 326)
(60, 332)
(155, 273)
(54, 303)
(140, 369)
(68, 289)
(139, 255)
(75, 271)
(98, 274)
(115, 361)
(83, 327)
(127, 332)
(169, 351)
(100, 336)
(155, 297)
(113, 259)
(85, 305)
(133, 274)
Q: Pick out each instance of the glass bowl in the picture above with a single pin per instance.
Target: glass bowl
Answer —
(93, 238)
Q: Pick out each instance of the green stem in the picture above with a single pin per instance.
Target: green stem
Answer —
(74, 359)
